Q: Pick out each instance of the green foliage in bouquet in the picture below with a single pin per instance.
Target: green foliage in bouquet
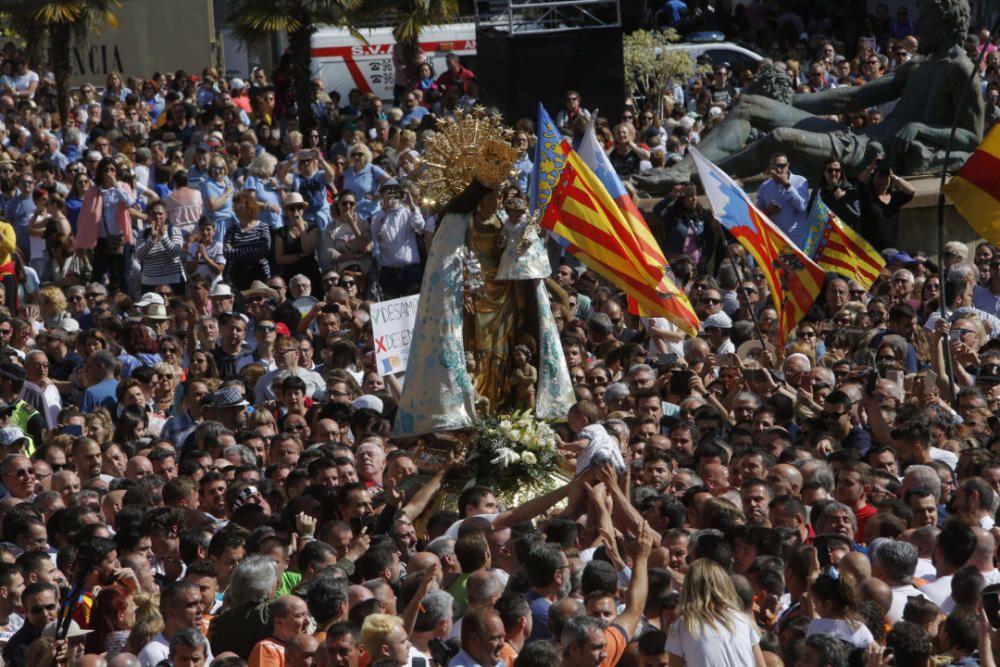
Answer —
(512, 454)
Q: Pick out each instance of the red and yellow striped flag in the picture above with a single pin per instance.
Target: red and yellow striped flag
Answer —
(975, 189)
(582, 212)
(844, 251)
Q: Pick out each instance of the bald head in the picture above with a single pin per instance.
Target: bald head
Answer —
(857, 565)
(300, 651)
(562, 611)
(791, 476)
(358, 594)
(420, 561)
(877, 591)
(123, 660)
(138, 467)
(716, 477)
(986, 545)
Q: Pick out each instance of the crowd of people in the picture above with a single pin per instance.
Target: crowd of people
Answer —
(197, 454)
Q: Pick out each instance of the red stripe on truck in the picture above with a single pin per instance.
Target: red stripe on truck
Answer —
(386, 49)
(359, 79)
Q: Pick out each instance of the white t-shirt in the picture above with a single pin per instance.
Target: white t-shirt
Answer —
(855, 634)
(900, 595)
(715, 646)
(158, 649)
(938, 590)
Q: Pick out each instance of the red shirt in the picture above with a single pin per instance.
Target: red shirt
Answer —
(862, 515)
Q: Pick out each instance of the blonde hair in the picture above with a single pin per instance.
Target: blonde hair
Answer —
(101, 415)
(53, 300)
(41, 653)
(376, 629)
(148, 622)
(263, 165)
(708, 598)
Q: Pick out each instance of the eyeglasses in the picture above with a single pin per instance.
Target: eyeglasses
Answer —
(807, 334)
(357, 155)
(348, 283)
(779, 165)
(43, 608)
(266, 328)
(832, 170)
(24, 472)
(168, 350)
(295, 428)
(710, 302)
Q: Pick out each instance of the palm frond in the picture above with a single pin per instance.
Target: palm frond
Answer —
(59, 12)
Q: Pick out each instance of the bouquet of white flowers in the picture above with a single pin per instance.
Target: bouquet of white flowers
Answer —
(513, 454)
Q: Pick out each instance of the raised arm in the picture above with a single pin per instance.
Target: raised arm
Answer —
(854, 98)
(638, 587)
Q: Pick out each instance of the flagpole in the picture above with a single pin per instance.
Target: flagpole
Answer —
(959, 108)
(742, 293)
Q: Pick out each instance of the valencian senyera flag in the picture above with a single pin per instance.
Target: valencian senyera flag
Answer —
(840, 249)
(975, 189)
(795, 279)
(678, 304)
(594, 229)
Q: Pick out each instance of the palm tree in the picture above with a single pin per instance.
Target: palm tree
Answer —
(252, 20)
(64, 20)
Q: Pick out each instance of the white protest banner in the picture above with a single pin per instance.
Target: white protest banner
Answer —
(392, 327)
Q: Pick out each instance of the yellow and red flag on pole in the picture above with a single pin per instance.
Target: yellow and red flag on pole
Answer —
(975, 188)
(795, 279)
(842, 250)
(596, 231)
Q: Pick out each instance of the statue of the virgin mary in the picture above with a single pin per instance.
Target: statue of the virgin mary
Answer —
(482, 294)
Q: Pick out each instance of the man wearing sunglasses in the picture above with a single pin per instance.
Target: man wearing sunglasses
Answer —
(784, 197)
(41, 601)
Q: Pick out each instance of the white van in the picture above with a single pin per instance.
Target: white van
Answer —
(343, 62)
(712, 46)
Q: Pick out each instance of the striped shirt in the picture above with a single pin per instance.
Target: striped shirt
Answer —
(161, 259)
(248, 250)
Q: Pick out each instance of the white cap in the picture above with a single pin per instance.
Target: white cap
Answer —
(9, 435)
(149, 298)
(719, 320)
(220, 290)
(368, 402)
(714, 112)
(687, 122)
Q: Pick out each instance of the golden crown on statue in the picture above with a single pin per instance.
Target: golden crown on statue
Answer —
(470, 146)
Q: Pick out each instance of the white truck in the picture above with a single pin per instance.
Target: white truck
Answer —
(343, 62)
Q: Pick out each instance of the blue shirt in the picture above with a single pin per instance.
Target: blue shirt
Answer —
(793, 200)
(415, 115)
(210, 189)
(313, 190)
(266, 192)
(539, 616)
(19, 210)
(101, 395)
(523, 168)
(362, 183)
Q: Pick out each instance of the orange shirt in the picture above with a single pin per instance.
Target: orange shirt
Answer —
(267, 653)
(508, 654)
(617, 642)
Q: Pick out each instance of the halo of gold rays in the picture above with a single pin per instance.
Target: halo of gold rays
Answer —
(471, 146)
